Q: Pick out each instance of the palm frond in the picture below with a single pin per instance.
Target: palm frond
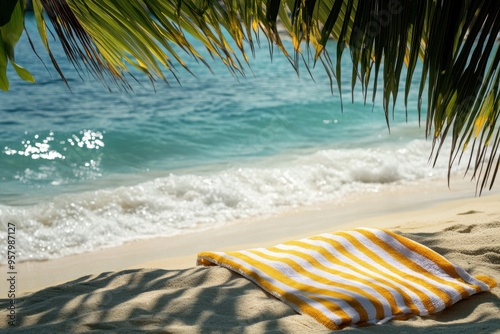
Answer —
(11, 29)
(455, 40)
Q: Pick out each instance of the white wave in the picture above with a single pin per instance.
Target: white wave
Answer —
(178, 203)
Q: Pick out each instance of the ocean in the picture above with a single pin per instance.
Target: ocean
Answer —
(88, 168)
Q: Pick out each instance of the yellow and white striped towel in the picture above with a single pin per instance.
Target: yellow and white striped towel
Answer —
(359, 277)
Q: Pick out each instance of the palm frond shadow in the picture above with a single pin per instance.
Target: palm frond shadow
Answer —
(214, 300)
(146, 301)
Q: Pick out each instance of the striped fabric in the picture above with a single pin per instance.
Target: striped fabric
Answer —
(359, 277)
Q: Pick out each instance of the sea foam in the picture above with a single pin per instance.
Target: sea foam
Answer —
(187, 201)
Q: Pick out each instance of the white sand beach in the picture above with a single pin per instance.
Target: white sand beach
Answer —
(153, 286)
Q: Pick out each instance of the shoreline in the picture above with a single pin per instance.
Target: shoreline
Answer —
(154, 285)
(388, 209)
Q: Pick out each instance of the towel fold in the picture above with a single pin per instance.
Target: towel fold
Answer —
(358, 277)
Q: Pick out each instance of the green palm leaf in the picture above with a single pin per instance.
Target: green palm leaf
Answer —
(455, 40)
(11, 28)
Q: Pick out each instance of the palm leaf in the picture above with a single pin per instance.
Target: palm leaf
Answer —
(455, 40)
(11, 28)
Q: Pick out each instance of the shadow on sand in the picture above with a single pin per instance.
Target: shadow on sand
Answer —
(216, 300)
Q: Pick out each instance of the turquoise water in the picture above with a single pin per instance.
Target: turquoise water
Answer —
(87, 169)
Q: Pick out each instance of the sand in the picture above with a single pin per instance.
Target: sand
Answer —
(152, 286)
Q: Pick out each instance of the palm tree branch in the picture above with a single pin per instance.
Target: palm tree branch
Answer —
(456, 42)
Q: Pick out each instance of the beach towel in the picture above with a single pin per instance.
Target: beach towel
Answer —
(358, 277)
